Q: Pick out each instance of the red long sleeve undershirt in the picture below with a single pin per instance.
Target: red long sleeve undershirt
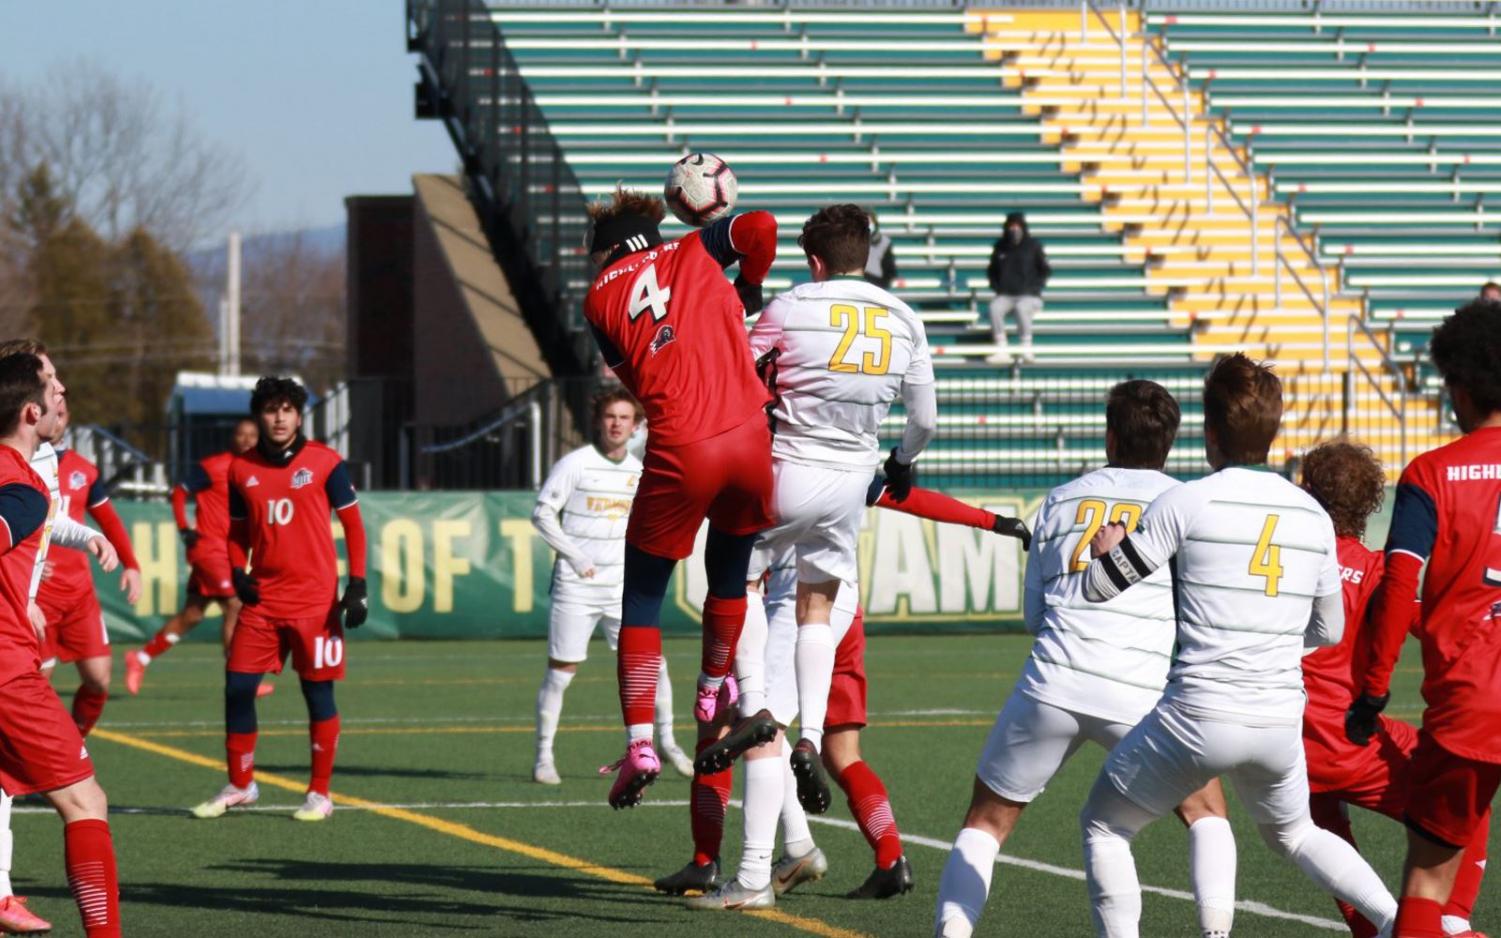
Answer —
(179, 507)
(1389, 619)
(754, 236)
(113, 529)
(354, 538)
(239, 543)
(936, 506)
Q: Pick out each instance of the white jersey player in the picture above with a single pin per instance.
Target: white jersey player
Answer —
(1256, 580)
(581, 513)
(1094, 671)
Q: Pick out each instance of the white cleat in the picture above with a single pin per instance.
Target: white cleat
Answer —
(545, 773)
(228, 797)
(316, 808)
(791, 872)
(679, 759)
(733, 897)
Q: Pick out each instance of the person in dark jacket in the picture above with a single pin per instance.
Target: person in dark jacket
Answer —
(1018, 273)
(880, 264)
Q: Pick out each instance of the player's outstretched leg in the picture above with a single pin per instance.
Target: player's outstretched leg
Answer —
(165, 639)
(751, 887)
(708, 798)
(1330, 813)
(665, 739)
(240, 733)
(637, 664)
(1211, 859)
(1110, 821)
(323, 743)
(1334, 866)
(15, 917)
(801, 861)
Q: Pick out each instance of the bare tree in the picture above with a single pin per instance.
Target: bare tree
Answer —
(293, 308)
(121, 158)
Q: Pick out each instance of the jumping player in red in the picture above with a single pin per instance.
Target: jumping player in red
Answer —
(673, 329)
(75, 623)
(280, 496)
(1447, 513)
(1349, 483)
(40, 747)
(207, 543)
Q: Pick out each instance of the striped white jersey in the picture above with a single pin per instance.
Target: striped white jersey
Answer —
(1249, 553)
(1106, 660)
(582, 512)
(847, 348)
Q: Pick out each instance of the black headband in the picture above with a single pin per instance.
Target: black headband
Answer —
(626, 233)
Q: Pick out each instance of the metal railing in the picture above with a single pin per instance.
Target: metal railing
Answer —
(122, 467)
(1311, 255)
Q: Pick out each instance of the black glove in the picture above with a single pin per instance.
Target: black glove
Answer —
(356, 604)
(1360, 719)
(899, 477)
(1013, 527)
(246, 588)
(750, 295)
(189, 537)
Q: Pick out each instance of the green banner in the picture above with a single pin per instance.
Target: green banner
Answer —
(470, 565)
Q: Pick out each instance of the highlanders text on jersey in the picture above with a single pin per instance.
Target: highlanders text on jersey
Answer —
(846, 349)
(1107, 660)
(590, 496)
(1250, 552)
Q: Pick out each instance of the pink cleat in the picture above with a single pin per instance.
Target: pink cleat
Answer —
(712, 702)
(638, 768)
(16, 919)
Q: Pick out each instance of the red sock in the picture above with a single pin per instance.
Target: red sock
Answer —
(90, 856)
(1419, 918)
(88, 706)
(324, 737)
(723, 621)
(160, 643)
(1329, 813)
(707, 796)
(636, 667)
(239, 755)
(1471, 871)
(872, 811)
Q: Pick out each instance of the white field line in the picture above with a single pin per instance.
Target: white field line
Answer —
(443, 721)
(1245, 905)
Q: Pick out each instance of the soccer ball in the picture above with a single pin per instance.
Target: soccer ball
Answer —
(700, 189)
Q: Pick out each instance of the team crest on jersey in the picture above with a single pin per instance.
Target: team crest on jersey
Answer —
(302, 477)
(77, 480)
(665, 336)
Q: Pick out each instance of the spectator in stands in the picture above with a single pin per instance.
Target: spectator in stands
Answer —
(880, 264)
(1018, 273)
(1491, 292)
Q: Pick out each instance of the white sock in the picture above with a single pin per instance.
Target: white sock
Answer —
(1338, 869)
(1109, 821)
(663, 710)
(142, 657)
(842, 616)
(750, 656)
(1211, 869)
(1454, 925)
(549, 708)
(965, 883)
(635, 731)
(797, 838)
(711, 681)
(7, 842)
(814, 659)
(762, 808)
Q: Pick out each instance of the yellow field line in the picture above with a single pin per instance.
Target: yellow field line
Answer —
(812, 926)
(419, 730)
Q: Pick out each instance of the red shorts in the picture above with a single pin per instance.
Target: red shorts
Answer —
(1450, 795)
(1377, 777)
(726, 478)
(75, 626)
(211, 575)
(847, 691)
(40, 748)
(261, 644)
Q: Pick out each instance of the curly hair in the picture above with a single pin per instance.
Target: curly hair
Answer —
(273, 389)
(625, 201)
(1347, 479)
(1465, 349)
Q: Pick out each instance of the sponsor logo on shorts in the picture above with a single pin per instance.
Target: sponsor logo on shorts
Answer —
(666, 335)
(83, 752)
(77, 480)
(302, 477)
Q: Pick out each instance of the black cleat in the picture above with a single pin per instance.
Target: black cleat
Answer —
(749, 733)
(812, 785)
(883, 884)
(691, 878)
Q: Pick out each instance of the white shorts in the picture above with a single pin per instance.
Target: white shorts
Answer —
(1170, 755)
(1030, 742)
(819, 511)
(571, 624)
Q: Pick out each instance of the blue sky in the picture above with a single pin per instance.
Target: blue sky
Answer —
(315, 95)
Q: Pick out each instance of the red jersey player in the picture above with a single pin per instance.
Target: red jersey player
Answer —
(280, 496)
(43, 750)
(1447, 513)
(1349, 483)
(207, 542)
(673, 329)
(75, 623)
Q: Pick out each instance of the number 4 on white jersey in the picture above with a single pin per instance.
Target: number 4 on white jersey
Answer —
(646, 294)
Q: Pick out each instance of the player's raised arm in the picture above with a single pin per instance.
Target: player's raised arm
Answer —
(346, 504)
(556, 491)
(749, 239)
